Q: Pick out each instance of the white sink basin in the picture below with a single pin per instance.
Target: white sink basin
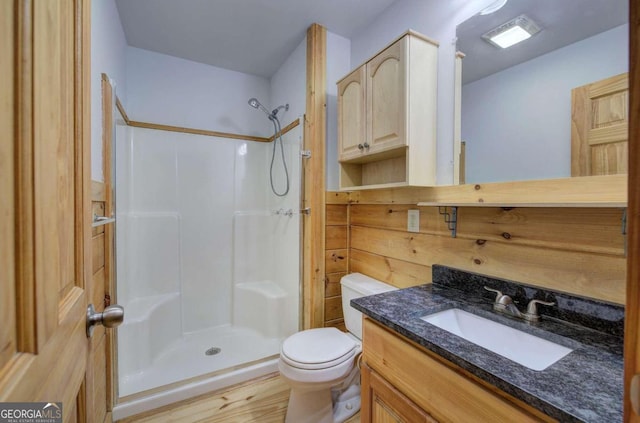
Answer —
(523, 348)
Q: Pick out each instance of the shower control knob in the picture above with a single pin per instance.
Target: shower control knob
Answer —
(111, 317)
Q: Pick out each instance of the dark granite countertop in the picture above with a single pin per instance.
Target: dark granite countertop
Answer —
(586, 385)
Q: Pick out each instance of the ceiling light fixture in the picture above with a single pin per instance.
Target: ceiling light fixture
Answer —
(493, 7)
(512, 32)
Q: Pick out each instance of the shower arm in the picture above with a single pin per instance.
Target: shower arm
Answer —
(275, 111)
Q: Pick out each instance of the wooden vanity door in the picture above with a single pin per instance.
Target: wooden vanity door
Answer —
(382, 403)
(599, 127)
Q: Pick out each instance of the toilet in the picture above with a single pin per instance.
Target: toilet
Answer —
(320, 364)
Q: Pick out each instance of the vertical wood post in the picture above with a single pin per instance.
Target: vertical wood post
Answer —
(314, 178)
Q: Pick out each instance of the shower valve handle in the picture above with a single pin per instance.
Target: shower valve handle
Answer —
(111, 317)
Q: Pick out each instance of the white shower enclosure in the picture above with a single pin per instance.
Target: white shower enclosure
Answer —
(208, 258)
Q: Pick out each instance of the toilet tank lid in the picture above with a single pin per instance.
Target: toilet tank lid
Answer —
(365, 285)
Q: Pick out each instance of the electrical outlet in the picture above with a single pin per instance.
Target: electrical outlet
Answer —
(413, 221)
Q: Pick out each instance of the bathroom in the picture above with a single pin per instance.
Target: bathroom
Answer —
(151, 75)
(211, 256)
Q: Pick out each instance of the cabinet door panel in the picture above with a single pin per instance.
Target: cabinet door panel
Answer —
(382, 403)
(386, 98)
(351, 112)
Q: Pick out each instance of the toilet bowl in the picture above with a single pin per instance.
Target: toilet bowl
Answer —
(319, 364)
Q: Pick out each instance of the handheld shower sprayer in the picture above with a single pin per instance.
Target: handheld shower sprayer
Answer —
(253, 102)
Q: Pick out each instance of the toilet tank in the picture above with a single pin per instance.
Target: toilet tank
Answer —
(356, 285)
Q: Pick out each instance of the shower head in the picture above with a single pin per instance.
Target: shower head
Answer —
(253, 102)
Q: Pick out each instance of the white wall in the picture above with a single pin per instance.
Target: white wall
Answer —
(517, 122)
(172, 91)
(108, 48)
(338, 65)
(436, 19)
(288, 86)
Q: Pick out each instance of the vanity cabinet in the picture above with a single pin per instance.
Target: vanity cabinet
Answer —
(387, 117)
(401, 377)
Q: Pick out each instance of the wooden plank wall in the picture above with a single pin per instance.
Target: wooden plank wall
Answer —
(575, 250)
(336, 256)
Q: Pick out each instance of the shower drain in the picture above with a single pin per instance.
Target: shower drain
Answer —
(212, 351)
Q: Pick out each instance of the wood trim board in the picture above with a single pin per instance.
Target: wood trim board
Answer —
(286, 129)
(196, 131)
(314, 179)
(590, 191)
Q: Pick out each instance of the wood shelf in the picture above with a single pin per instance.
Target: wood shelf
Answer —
(376, 186)
(591, 191)
(592, 204)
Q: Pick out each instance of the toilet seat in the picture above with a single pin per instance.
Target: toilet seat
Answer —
(317, 349)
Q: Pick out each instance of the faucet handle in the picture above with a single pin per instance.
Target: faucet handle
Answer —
(532, 309)
(498, 293)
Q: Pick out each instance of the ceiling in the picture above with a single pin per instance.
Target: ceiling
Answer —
(250, 36)
(563, 22)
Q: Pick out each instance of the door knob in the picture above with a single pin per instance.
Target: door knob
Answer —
(111, 317)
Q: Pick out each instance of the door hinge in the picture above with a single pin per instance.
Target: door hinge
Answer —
(306, 154)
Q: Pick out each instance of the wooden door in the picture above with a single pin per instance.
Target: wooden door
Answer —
(632, 306)
(351, 115)
(382, 403)
(44, 202)
(386, 98)
(600, 126)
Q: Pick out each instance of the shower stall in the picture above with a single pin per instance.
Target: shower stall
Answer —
(208, 261)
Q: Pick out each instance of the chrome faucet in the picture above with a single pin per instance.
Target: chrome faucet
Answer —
(504, 304)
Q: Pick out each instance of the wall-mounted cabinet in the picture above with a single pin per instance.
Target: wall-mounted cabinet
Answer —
(387, 117)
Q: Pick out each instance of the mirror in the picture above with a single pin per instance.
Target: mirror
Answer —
(516, 102)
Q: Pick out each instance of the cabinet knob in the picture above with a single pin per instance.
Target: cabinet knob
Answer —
(360, 147)
(366, 145)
